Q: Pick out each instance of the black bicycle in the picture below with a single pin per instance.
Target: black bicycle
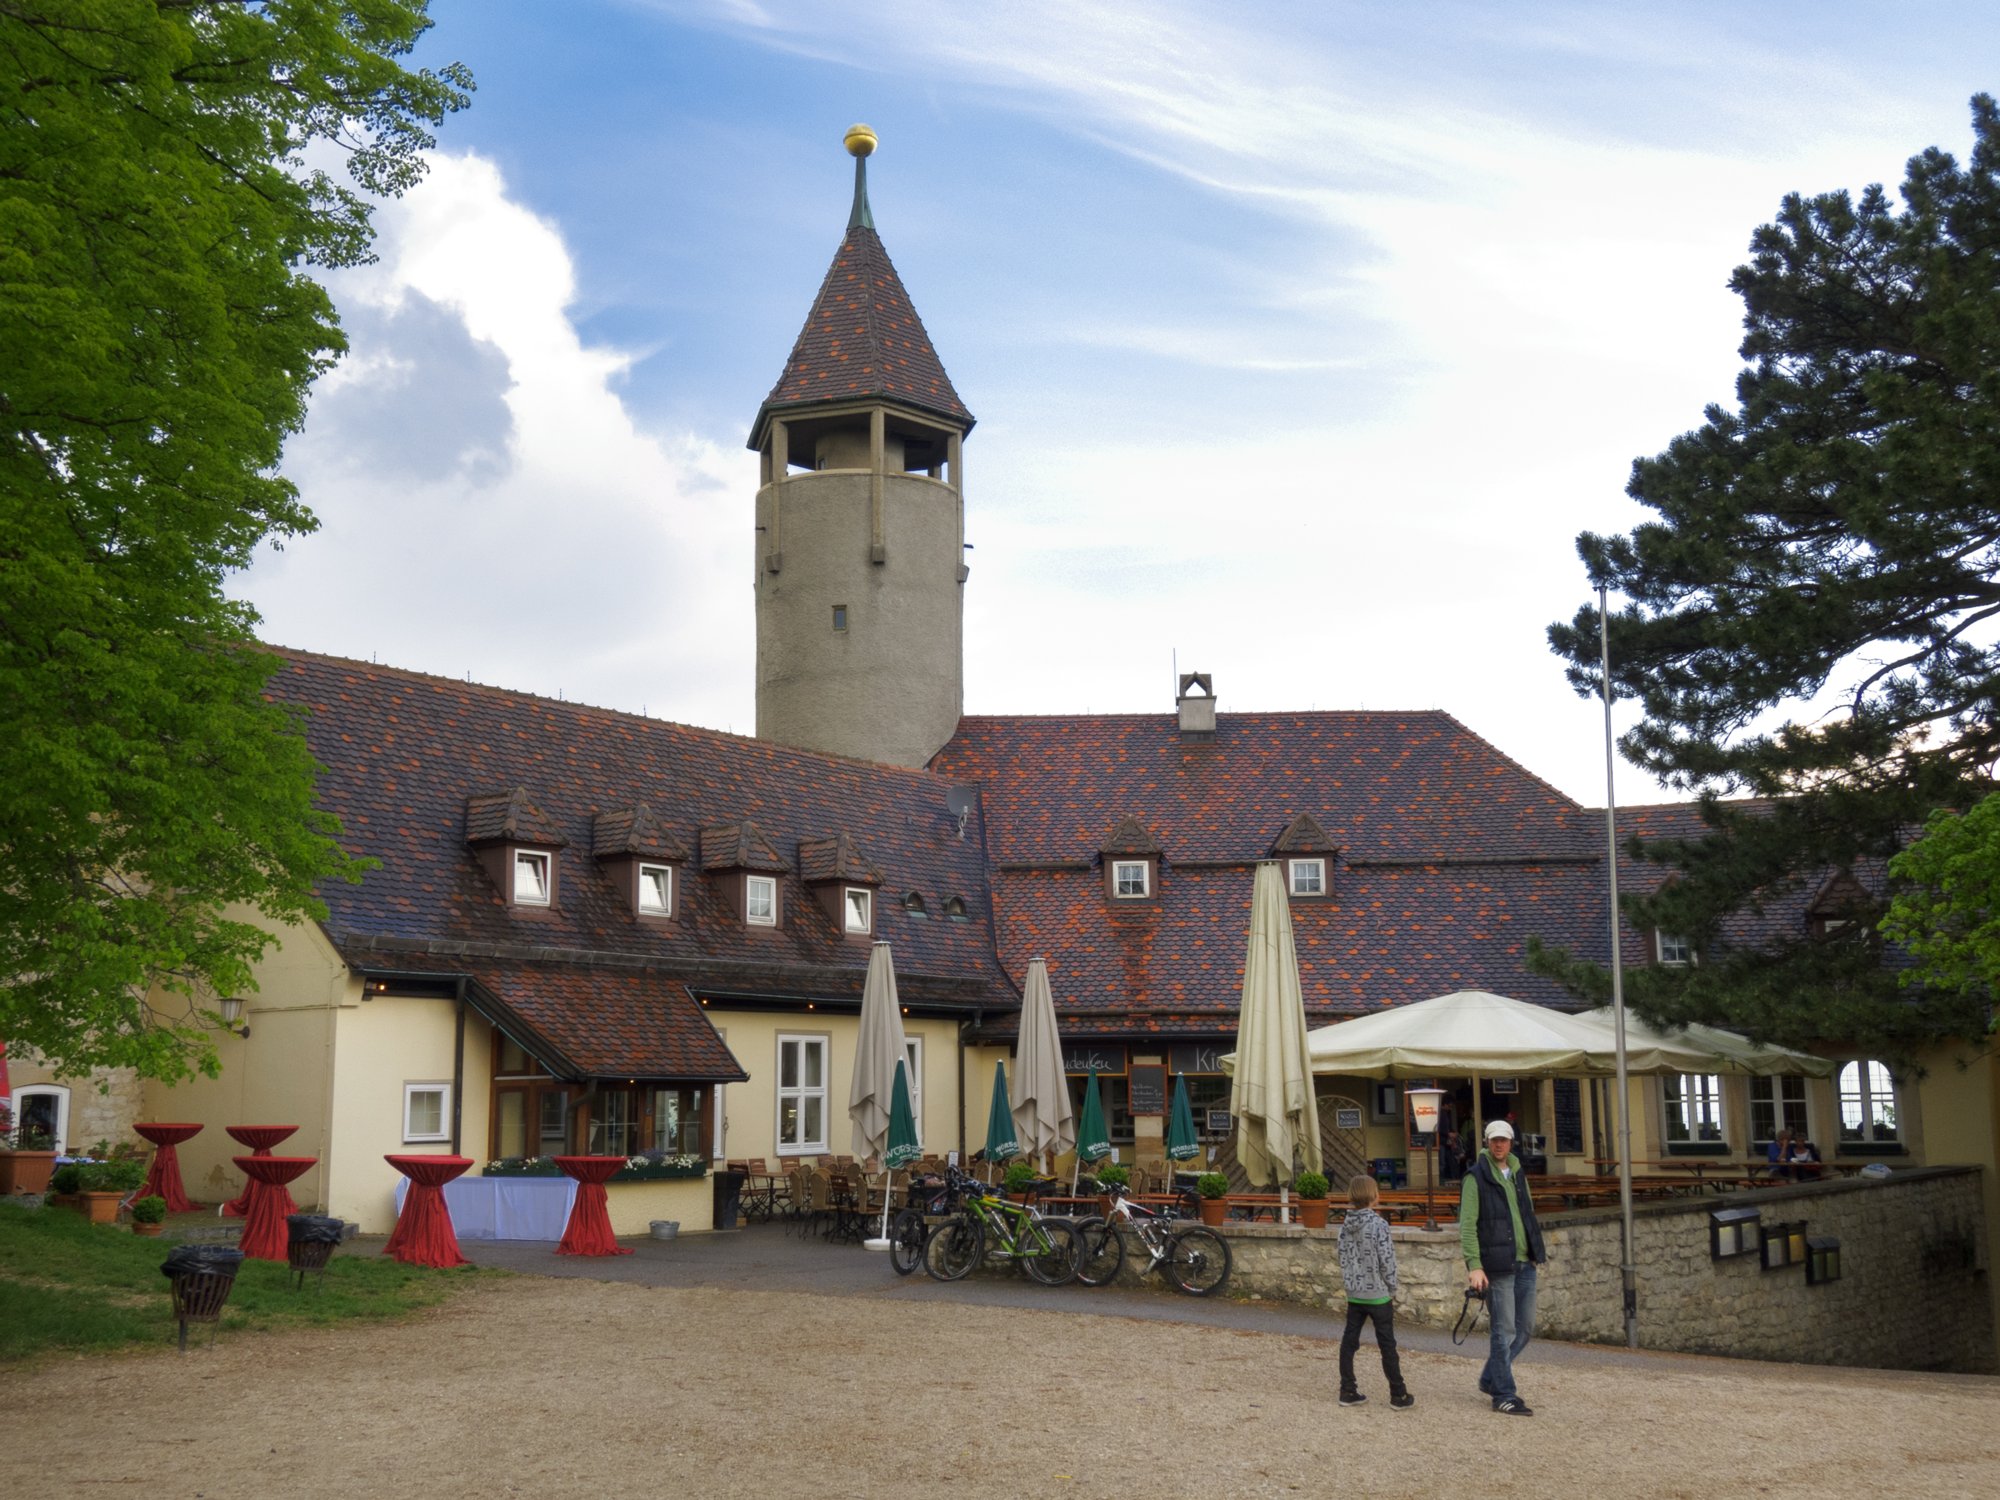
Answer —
(930, 1198)
(1192, 1257)
(986, 1223)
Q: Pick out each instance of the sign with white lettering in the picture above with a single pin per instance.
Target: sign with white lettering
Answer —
(1198, 1057)
(1093, 1057)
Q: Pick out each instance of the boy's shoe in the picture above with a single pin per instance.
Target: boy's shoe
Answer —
(1352, 1398)
(1403, 1402)
(1512, 1406)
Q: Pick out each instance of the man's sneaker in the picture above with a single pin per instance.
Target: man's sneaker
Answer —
(1512, 1406)
(1352, 1398)
(1403, 1402)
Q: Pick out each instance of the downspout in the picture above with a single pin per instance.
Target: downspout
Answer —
(458, 1072)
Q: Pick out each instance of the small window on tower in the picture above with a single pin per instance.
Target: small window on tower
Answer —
(840, 617)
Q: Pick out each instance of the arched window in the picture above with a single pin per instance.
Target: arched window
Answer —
(1867, 1105)
(43, 1107)
(954, 909)
(913, 905)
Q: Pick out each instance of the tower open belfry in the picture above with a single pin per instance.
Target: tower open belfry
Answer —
(860, 540)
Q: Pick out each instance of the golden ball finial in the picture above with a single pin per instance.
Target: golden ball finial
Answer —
(860, 141)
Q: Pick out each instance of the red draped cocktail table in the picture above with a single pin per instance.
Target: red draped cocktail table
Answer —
(265, 1232)
(260, 1139)
(423, 1235)
(589, 1229)
(163, 1177)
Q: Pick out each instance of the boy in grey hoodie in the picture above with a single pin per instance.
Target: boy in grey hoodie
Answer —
(1368, 1271)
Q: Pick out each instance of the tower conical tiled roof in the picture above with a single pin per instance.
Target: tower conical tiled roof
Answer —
(863, 339)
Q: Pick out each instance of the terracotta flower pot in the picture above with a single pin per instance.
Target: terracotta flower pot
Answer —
(100, 1208)
(148, 1230)
(26, 1171)
(1214, 1210)
(1313, 1212)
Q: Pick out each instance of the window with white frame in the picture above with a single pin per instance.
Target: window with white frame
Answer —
(801, 1095)
(859, 905)
(1673, 949)
(531, 878)
(656, 890)
(1867, 1105)
(760, 901)
(1308, 877)
(1694, 1109)
(1777, 1104)
(1129, 879)
(913, 1071)
(426, 1112)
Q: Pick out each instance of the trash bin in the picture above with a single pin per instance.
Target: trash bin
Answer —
(201, 1276)
(309, 1243)
(728, 1197)
(664, 1229)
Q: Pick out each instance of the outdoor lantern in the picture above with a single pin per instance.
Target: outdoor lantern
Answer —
(232, 1016)
(1732, 1231)
(1424, 1108)
(1784, 1245)
(1822, 1259)
(1424, 1115)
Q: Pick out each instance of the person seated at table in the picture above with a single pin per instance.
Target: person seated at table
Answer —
(1804, 1160)
(1779, 1155)
(1451, 1158)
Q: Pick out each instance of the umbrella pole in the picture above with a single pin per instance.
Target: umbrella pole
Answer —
(1628, 1269)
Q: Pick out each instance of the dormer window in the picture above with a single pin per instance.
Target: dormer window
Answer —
(760, 900)
(656, 890)
(1130, 880)
(860, 909)
(1308, 877)
(954, 909)
(913, 905)
(1675, 951)
(533, 877)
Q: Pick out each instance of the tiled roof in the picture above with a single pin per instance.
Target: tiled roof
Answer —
(864, 341)
(837, 858)
(1303, 835)
(740, 846)
(1129, 836)
(605, 1022)
(509, 818)
(636, 831)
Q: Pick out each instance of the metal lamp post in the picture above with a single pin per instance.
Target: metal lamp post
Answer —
(1424, 1115)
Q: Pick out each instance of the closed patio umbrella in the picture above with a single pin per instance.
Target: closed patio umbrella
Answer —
(1182, 1141)
(903, 1147)
(1277, 1123)
(879, 1052)
(1093, 1142)
(1040, 1093)
(1002, 1142)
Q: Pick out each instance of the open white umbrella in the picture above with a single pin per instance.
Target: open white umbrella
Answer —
(878, 1050)
(1730, 1051)
(1040, 1091)
(1277, 1123)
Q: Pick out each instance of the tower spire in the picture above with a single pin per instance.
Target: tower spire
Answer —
(861, 146)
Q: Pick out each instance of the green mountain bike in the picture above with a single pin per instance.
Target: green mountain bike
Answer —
(988, 1224)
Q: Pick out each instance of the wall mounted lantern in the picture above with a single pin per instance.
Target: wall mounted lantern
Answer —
(1733, 1231)
(1822, 1259)
(1784, 1245)
(232, 1016)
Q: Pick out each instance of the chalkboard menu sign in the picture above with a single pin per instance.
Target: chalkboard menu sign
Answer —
(1148, 1089)
(1569, 1117)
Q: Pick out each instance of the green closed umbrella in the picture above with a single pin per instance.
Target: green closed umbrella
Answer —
(1182, 1142)
(903, 1147)
(1093, 1142)
(1002, 1142)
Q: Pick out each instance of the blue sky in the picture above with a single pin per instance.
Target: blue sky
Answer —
(1303, 338)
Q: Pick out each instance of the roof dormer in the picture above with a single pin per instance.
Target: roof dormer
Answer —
(842, 881)
(1306, 854)
(646, 861)
(1131, 861)
(517, 845)
(747, 872)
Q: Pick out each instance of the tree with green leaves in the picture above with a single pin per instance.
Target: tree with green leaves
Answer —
(1810, 612)
(1946, 906)
(162, 207)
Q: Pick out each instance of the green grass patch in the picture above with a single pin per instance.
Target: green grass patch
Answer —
(68, 1285)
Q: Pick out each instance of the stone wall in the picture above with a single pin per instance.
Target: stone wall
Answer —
(1912, 1293)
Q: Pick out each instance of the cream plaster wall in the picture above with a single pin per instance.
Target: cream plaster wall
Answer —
(383, 1044)
(1959, 1095)
(634, 1205)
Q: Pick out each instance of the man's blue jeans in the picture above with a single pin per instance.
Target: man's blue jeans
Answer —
(1510, 1313)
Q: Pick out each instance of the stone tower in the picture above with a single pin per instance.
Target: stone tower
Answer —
(861, 519)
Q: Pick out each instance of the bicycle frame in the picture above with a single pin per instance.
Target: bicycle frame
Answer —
(1153, 1227)
(1016, 1226)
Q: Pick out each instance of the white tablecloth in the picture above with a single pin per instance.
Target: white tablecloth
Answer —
(505, 1208)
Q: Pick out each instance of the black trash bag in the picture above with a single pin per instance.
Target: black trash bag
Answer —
(193, 1260)
(314, 1229)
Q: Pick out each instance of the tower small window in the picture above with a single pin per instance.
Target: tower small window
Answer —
(760, 900)
(840, 617)
(531, 878)
(860, 907)
(954, 909)
(656, 890)
(1128, 880)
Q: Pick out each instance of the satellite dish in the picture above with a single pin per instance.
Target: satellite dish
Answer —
(959, 800)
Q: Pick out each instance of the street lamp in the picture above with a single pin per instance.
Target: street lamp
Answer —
(1424, 1114)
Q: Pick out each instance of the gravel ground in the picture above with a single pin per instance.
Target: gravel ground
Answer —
(557, 1386)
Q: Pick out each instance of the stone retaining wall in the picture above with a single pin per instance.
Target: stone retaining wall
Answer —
(1912, 1293)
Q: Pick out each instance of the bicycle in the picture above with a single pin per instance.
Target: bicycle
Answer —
(1193, 1258)
(1046, 1248)
(910, 1231)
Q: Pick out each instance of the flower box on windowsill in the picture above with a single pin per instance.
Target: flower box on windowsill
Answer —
(636, 1169)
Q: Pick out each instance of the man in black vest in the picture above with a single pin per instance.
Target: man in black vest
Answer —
(1503, 1245)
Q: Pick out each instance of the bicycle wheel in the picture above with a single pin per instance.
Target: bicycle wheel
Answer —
(906, 1241)
(956, 1246)
(1100, 1253)
(1049, 1251)
(1197, 1261)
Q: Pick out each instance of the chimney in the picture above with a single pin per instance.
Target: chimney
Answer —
(1196, 703)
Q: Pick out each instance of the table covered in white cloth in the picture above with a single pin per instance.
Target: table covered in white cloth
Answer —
(506, 1208)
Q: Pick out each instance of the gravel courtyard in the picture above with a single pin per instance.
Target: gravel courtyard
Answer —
(565, 1386)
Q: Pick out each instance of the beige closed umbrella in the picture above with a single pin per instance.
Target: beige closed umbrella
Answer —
(1277, 1123)
(1039, 1091)
(877, 1050)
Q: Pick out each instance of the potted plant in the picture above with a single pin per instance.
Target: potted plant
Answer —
(1111, 1174)
(27, 1156)
(1020, 1178)
(1214, 1190)
(1311, 1188)
(100, 1184)
(62, 1184)
(149, 1215)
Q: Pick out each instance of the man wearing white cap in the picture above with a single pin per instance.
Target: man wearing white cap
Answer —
(1503, 1245)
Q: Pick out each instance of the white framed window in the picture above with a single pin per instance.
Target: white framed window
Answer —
(1129, 879)
(656, 890)
(859, 905)
(801, 1095)
(913, 1070)
(532, 871)
(1673, 950)
(1777, 1104)
(760, 900)
(426, 1112)
(1308, 877)
(43, 1108)
(1694, 1109)
(1867, 1105)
